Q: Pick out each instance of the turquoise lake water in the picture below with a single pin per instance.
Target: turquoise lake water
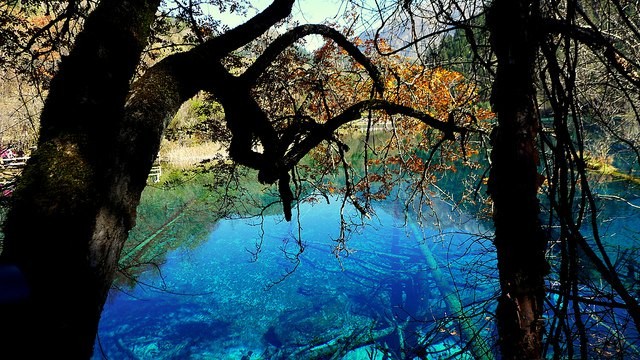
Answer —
(213, 302)
(403, 292)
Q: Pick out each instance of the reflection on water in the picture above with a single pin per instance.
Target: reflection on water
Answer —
(385, 297)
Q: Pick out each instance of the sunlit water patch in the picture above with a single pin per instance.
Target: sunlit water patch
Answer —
(213, 302)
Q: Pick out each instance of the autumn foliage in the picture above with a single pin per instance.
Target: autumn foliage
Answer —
(384, 150)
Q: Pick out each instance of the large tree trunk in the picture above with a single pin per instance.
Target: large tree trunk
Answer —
(76, 200)
(55, 231)
(514, 180)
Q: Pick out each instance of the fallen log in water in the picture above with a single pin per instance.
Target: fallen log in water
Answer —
(138, 248)
(340, 345)
(604, 168)
(478, 346)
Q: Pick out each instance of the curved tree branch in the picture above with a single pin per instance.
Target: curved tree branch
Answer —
(166, 85)
(597, 42)
(319, 132)
(246, 32)
(287, 39)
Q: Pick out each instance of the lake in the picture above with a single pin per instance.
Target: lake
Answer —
(216, 302)
(404, 291)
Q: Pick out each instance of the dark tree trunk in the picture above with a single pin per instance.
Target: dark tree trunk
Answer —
(76, 200)
(514, 180)
(55, 231)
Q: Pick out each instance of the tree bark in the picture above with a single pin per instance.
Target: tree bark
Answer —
(76, 200)
(514, 180)
(52, 231)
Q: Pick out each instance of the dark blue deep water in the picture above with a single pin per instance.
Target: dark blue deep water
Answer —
(400, 284)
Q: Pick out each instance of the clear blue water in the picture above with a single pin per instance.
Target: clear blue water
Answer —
(213, 302)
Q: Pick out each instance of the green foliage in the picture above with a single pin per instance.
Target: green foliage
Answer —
(201, 118)
(203, 109)
(456, 50)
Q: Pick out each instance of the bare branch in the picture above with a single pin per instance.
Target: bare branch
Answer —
(324, 131)
(287, 39)
(243, 34)
(597, 41)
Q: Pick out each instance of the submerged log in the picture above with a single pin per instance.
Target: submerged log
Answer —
(340, 345)
(602, 167)
(138, 248)
(478, 346)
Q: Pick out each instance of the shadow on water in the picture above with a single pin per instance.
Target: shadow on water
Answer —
(271, 338)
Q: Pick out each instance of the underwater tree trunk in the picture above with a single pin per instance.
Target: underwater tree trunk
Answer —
(514, 180)
(470, 331)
